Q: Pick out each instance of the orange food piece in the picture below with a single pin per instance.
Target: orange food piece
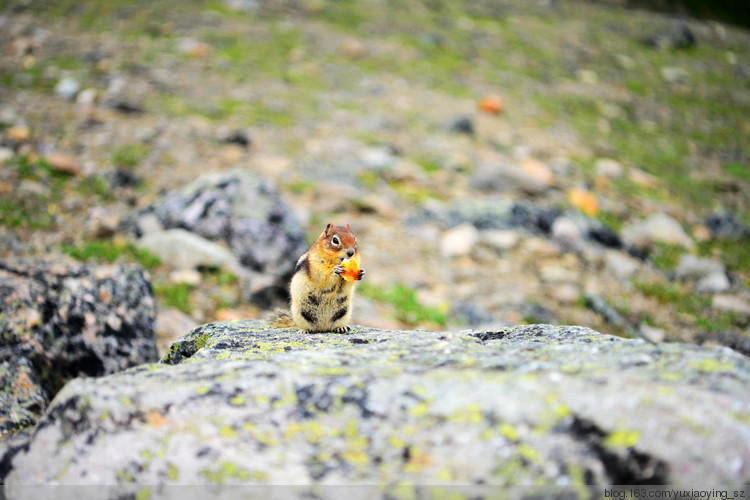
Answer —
(584, 200)
(351, 269)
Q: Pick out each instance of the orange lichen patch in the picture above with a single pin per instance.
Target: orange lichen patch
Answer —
(351, 269)
(156, 419)
(584, 200)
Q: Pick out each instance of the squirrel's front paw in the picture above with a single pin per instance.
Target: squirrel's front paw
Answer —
(338, 270)
(360, 274)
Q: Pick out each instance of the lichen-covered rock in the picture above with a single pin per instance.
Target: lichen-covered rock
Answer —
(239, 402)
(59, 321)
(245, 212)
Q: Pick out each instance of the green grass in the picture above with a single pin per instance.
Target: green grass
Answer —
(688, 304)
(175, 295)
(129, 155)
(408, 308)
(111, 251)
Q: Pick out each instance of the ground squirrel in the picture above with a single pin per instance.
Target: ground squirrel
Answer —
(323, 284)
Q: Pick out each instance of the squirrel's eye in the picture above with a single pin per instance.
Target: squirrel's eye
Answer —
(335, 240)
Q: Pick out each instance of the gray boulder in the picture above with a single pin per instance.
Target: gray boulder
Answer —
(247, 214)
(242, 403)
(59, 321)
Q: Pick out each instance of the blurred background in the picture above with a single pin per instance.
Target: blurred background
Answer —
(501, 162)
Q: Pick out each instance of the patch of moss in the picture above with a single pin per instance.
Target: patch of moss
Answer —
(108, 250)
(175, 295)
(129, 155)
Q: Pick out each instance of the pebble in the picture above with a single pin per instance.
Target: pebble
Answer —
(234, 136)
(659, 228)
(68, 88)
(185, 250)
(459, 241)
(587, 77)
(499, 239)
(716, 282)
(725, 225)
(567, 233)
(731, 303)
(19, 133)
(5, 154)
(192, 46)
(463, 125)
(566, 293)
(87, 97)
(609, 168)
(694, 267)
(378, 158)
(63, 163)
(651, 333)
(620, 264)
(187, 276)
(672, 74)
(642, 179)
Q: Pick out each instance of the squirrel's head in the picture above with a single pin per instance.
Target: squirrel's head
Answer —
(339, 240)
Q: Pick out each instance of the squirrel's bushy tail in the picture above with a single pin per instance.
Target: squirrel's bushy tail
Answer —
(281, 318)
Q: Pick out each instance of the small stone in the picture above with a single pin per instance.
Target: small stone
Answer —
(186, 276)
(234, 136)
(463, 125)
(63, 163)
(731, 303)
(725, 225)
(609, 168)
(643, 179)
(567, 233)
(87, 98)
(353, 48)
(659, 228)
(653, 334)
(192, 46)
(500, 240)
(5, 154)
(29, 187)
(673, 74)
(378, 158)
(538, 170)
(67, 88)
(19, 133)
(701, 233)
(694, 267)
(553, 272)
(716, 282)
(566, 293)
(459, 241)
(620, 264)
(625, 62)
(185, 250)
(587, 77)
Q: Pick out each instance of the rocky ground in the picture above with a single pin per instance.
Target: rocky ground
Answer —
(501, 162)
(241, 403)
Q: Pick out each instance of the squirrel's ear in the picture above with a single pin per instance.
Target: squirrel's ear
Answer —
(328, 229)
(348, 228)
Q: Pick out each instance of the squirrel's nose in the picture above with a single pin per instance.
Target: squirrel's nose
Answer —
(350, 252)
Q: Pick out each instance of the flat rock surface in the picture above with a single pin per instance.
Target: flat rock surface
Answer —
(239, 402)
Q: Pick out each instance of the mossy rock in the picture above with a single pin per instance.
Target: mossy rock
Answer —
(242, 403)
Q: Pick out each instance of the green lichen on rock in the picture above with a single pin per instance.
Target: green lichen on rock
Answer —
(258, 405)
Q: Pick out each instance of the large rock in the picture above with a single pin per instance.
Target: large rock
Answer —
(246, 213)
(239, 402)
(59, 321)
